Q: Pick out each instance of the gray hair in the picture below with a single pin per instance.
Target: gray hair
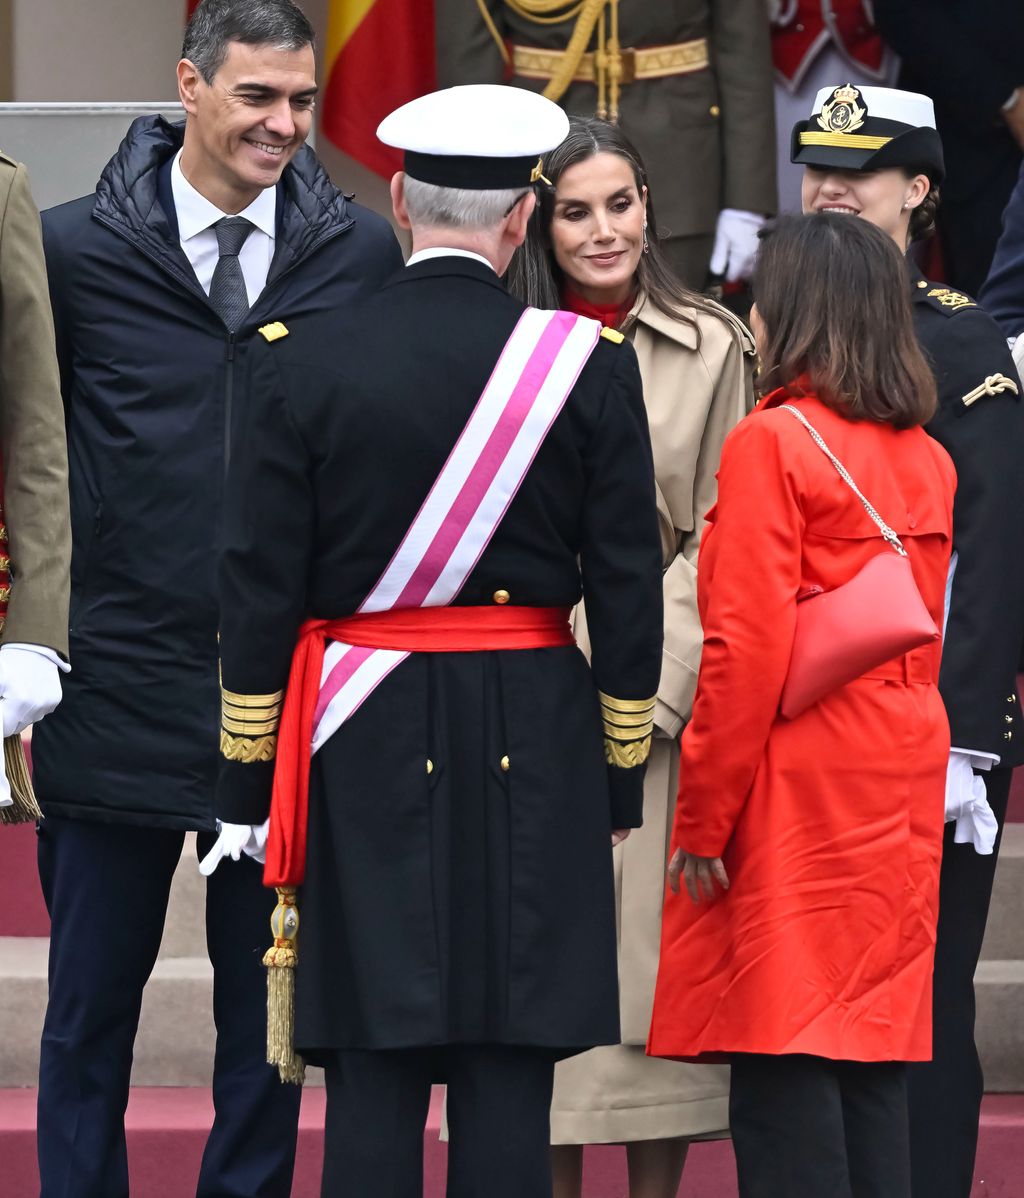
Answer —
(216, 23)
(436, 207)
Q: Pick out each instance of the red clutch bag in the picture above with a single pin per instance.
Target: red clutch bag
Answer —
(847, 632)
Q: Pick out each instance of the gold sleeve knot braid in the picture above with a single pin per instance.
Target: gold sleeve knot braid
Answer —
(628, 728)
(249, 726)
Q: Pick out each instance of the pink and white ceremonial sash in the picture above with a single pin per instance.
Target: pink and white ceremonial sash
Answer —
(528, 388)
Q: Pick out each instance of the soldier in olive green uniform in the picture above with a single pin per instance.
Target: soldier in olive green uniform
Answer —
(690, 81)
(36, 542)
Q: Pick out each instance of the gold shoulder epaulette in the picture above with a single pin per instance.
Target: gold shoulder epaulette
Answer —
(628, 728)
(993, 385)
(274, 331)
(612, 335)
(953, 300)
(249, 725)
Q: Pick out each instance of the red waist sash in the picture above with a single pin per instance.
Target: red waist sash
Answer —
(410, 630)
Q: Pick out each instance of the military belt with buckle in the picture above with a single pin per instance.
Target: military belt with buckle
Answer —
(628, 64)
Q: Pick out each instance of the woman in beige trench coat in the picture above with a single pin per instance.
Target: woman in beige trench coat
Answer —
(593, 248)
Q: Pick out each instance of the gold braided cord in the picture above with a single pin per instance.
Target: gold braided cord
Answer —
(551, 12)
(493, 30)
(247, 750)
(627, 756)
(993, 385)
(546, 12)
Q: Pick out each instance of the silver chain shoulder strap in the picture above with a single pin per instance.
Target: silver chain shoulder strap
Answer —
(888, 533)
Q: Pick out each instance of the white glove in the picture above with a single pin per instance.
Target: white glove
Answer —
(735, 244)
(967, 802)
(29, 685)
(233, 841)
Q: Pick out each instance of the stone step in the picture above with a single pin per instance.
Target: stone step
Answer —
(175, 1042)
(185, 929)
(1004, 935)
(999, 989)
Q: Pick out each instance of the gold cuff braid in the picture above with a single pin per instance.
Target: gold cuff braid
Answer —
(628, 728)
(247, 749)
(627, 756)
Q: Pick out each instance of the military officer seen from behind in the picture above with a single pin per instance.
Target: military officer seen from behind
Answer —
(470, 771)
(197, 236)
(875, 153)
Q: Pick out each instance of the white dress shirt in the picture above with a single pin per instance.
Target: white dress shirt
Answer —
(196, 218)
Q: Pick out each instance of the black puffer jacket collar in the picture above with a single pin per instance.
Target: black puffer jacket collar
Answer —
(127, 198)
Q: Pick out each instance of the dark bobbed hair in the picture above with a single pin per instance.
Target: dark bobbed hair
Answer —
(535, 277)
(832, 293)
(217, 23)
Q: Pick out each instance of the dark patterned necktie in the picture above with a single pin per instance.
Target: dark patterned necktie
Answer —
(227, 290)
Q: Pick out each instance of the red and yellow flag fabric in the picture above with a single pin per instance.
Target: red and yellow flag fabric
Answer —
(379, 55)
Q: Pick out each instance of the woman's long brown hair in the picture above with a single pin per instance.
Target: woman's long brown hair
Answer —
(535, 277)
(832, 293)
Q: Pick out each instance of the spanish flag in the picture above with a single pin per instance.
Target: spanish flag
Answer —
(379, 55)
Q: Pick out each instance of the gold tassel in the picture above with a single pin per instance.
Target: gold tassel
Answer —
(24, 809)
(280, 961)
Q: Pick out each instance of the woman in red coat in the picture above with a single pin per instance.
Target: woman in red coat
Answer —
(810, 847)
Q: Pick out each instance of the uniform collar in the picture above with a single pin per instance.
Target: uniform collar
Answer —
(196, 214)
(445, 252)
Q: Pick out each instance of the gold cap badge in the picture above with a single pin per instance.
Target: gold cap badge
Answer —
(845, 112)
(537, 174)
(274, 331)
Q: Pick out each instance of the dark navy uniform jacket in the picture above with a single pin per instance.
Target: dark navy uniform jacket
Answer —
(472, 901)
(980, 423)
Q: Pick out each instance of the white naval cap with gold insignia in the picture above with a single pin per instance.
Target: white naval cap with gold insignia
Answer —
(869, 129)
(482, 136)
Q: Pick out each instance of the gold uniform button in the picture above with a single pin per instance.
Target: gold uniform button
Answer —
(922, 282)
(1008, 718)
(1012, 699)
(430, 766)
(1007, 736)
(506, 765)
(715, 110)
(501, 596)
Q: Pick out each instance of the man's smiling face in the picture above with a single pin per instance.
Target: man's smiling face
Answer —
(247, 124)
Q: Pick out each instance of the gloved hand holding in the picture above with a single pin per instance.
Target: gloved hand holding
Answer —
(234, 840)
(736, 244)
(967, 803)
(29, 685)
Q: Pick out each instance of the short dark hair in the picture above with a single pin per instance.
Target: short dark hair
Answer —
(216, 23)
(832, 292)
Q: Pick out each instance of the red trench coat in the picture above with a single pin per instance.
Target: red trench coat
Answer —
(829, 825)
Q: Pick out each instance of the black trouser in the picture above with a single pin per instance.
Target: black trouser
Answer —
(106, 888)
(945, 1094)
(807, 1127)
(499, 1100)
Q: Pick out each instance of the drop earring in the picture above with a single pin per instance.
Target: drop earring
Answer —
(647, 248)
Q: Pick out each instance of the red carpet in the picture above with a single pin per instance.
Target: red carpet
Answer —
(167, 1127)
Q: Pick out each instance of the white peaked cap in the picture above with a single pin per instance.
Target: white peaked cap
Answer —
(909, 108)
(481, 136)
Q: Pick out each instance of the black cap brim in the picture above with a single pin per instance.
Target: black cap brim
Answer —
(919, 149)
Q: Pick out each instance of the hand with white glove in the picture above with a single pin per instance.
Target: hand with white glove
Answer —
(29, 685)
(736, 244)
(234, 840)
(967, 802)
